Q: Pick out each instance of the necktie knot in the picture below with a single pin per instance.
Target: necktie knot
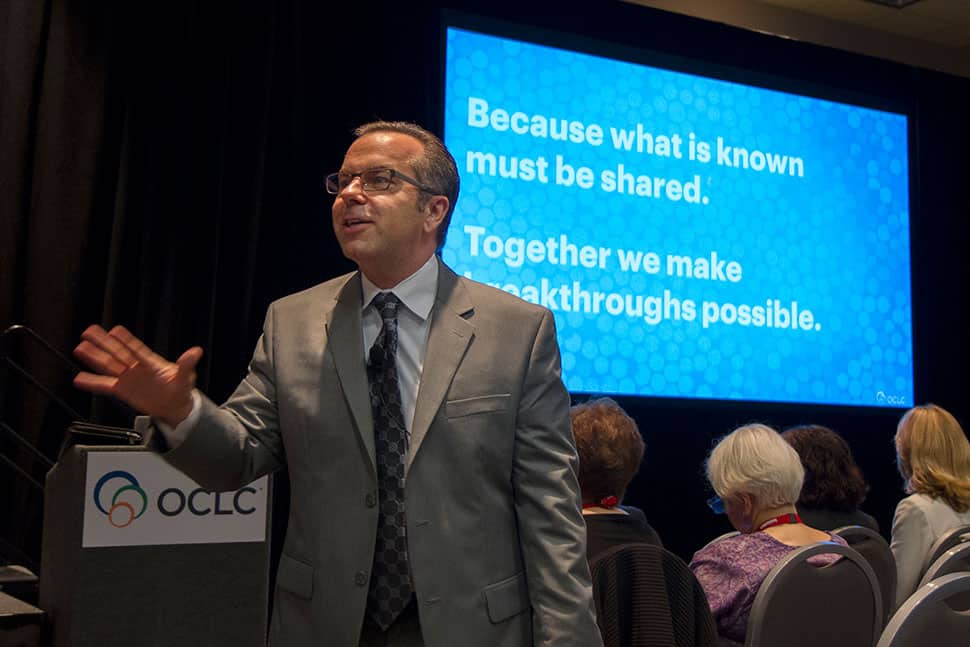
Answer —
(386, 304)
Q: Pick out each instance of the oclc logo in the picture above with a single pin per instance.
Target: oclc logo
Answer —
(889, 399)
(127, 500)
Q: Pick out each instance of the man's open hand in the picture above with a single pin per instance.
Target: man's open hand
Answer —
(124, 367)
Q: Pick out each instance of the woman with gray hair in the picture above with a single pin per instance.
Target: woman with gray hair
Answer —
(757, 478)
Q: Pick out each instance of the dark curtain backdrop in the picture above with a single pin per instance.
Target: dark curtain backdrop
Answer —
(138, 142)
(161, 166)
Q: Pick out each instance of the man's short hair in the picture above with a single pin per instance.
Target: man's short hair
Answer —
(436, 169)
(610, 448)
(756, 460)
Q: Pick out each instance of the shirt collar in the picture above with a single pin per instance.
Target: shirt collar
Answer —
(417, 291)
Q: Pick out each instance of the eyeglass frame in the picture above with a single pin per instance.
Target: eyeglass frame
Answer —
(335, 179)
(716, 504)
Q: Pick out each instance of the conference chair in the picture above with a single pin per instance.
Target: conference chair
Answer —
(947, 540)
(804, 605)
(927, 618)
(955, 560)
(871, 545)
(647, 597)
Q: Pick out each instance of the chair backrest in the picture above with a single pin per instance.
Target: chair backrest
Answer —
(927, 619)
(647, 596)
(946, 541)
(871, 545)
(955, 560)
(803, 605)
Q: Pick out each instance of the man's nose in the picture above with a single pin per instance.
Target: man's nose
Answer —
(353, 190)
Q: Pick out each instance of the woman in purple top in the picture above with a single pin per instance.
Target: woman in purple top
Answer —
(757, 477)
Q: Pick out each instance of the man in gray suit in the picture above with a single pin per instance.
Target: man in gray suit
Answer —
(421, 417)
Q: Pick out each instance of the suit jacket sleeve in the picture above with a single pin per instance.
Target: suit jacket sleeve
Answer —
(911, 542)
(232, 445)
(548, 503)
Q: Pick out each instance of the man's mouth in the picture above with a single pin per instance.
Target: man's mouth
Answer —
(350, 223)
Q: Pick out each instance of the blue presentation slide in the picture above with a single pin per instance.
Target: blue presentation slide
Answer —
(694, 237)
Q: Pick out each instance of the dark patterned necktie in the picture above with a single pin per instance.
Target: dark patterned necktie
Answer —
(390, 582)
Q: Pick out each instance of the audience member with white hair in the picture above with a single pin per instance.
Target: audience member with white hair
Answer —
(757, 478)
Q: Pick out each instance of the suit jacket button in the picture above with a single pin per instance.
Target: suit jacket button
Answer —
(360, 578)
(370, 500)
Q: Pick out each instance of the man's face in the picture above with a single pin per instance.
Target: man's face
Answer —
(384, 232)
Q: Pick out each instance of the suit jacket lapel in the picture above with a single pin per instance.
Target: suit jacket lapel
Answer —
(450, 334)
(346, 342)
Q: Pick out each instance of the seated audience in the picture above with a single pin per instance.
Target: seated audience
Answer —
(834, 487)
(610, 450)
(933, 456)
(757, 477)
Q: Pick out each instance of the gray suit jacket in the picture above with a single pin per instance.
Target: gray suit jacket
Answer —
(496, 537)
(918, 522)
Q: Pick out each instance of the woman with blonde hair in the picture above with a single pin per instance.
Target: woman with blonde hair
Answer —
(933, 456)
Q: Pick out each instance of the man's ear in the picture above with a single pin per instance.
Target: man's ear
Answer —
(435, 212)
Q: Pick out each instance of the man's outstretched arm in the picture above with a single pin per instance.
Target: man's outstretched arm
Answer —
(125, 368)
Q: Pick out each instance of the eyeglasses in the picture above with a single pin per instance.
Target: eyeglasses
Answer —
(716, 504)
(373, 179)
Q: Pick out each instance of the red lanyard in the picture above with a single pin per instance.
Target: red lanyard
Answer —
(788, 517)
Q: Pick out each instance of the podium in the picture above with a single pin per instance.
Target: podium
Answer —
(135, 553)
